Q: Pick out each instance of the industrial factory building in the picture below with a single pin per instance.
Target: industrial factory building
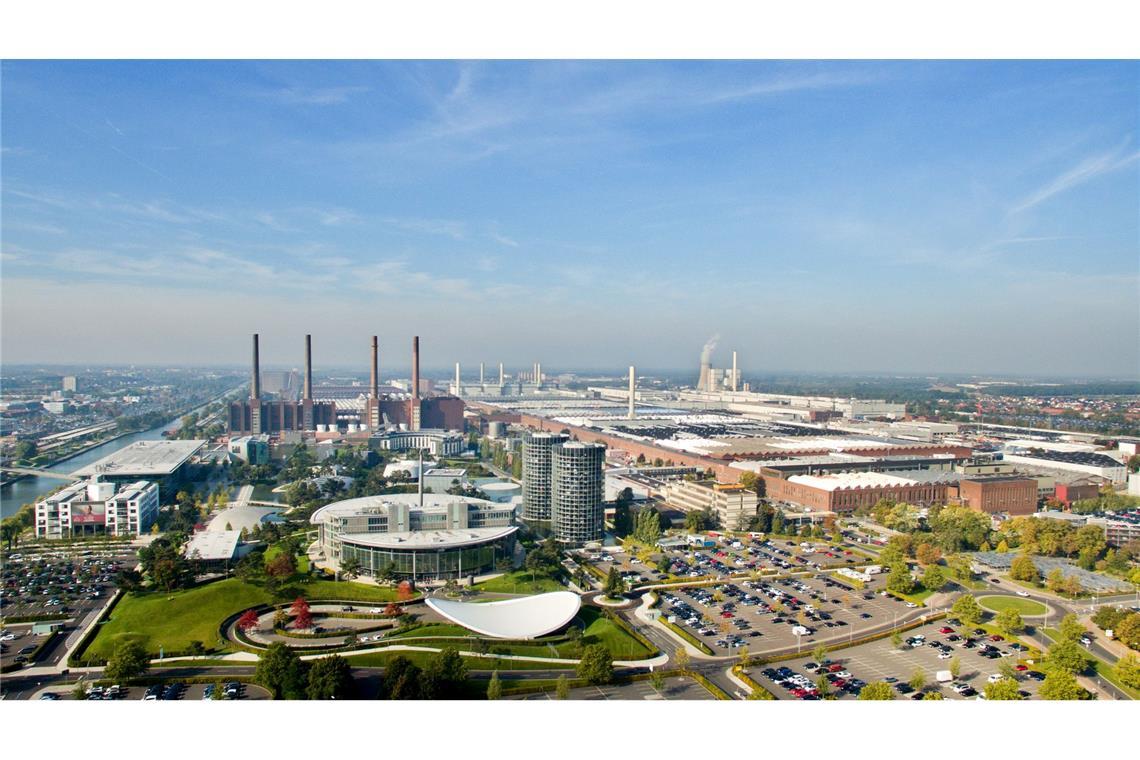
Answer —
(377, 412)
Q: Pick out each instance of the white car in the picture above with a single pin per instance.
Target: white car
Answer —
(960, 687)
(376, 611)
(1023, 593)
(944, 655)
(995, 678)
(911, 605)
(8, 637)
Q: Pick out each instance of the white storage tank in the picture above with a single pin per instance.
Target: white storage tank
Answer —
(501, 493)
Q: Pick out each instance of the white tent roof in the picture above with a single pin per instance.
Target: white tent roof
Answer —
(525, 618)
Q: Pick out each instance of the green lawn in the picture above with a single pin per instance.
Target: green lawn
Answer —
(1002, 603)
(601, 630)
(302, 559)
(519, 582)
(918, 597)
(172, 621)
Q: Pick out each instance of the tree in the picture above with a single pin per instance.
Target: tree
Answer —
(932, 695)
(1128, 671)
(405, 591)
(1128, 631)
(879, 690)
(967, 609)
(302, 618)
(597, 665)
(823, 686)
(280, 619)
(1003, 690)
(1055, 581)
(402, 679)
(933, 579)
(128, 661)
(896, 639)
(494, 687)
(657, 681)
(444, 675)
(562, 687)
(350, 567)
(282, 672)
(1070, 628)
(1108, 618)
(1009, 622)
(1061, 685)
(928, 554)
(129, 580)
(1066, 656)
(282, 567)
(330, 678)
(900, 580)
(1023, 569)
(819, 653)
(247, 621)
(10, 532)
(918, 680)
(681, 657)
(614, 586)
(955, 667)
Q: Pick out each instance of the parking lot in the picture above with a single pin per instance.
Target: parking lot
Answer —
(774, 614)
(71, 582)
(849, 670)
(678, 688)
(720, 558)
(172, 691)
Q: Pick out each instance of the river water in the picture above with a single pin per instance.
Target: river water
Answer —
(25, 490)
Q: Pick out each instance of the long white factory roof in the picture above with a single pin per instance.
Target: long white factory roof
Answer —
(873, 479)
(431, 501)
(144, 458)
(525, 618)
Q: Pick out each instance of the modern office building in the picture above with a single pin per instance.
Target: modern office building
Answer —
(577, 490)
(421, 537)
(537, 455)
(70, 384)
(97, 507)
(435, 442)
(251, 449)
(732, 503)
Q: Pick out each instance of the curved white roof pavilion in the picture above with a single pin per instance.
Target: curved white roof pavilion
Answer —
(525, 618)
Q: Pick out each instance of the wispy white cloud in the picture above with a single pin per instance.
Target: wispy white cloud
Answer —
(313, 96)
(503, 239)
(1089, 169)
(451, 228)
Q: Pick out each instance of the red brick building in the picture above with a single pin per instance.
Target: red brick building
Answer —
(1012, 494)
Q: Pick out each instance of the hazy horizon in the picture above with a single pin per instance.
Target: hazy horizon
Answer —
(860, 217)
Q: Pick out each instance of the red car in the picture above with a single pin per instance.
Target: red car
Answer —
(1023, 668)
(834, 668)
(996, 637)
(946, 629)
(726, 614)
(839, 683)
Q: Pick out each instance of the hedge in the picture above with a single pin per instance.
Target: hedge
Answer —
(686, 636)
(76, 659)
(34, 618)
(757, 689)
(713, 689)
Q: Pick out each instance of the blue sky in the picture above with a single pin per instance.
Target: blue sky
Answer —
(818, 216)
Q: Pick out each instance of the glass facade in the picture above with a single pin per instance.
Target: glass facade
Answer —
(431, 564)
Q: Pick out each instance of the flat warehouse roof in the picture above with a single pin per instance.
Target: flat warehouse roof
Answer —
(144, 458)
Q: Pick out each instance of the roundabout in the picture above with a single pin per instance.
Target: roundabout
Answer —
(1000, 603)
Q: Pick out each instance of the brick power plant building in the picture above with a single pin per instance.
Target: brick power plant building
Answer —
(256, 415)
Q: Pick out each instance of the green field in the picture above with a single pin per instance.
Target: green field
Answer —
(172, 621)
(918, 597)
(1003, 603)
(519, 582)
